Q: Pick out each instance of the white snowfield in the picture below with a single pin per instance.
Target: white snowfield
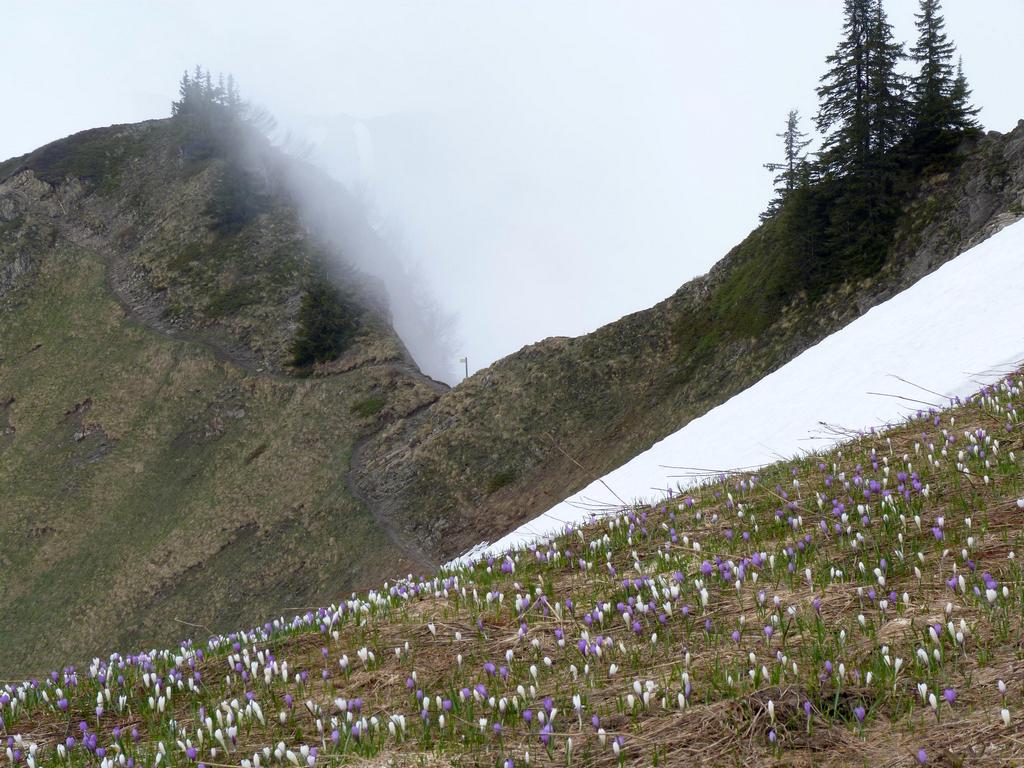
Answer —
(953, 331)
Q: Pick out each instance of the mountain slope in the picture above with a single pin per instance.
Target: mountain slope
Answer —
(854, 607)
(158, 451)
(164, 461)
(940, 339)
(541, 424)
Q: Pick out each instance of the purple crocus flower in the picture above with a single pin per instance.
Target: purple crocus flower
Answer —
(545, 734)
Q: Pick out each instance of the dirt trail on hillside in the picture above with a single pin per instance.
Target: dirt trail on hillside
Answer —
(357, 465)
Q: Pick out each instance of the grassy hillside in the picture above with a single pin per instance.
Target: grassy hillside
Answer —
(158, 447)
(856, 607)
(194, 385)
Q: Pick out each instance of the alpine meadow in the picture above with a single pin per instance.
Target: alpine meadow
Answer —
(771, 519)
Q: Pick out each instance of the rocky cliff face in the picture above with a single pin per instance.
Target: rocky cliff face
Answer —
(540, 424)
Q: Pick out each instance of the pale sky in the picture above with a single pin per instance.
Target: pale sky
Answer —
(550, 165)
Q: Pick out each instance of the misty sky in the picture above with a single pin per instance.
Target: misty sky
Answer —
(550, 166)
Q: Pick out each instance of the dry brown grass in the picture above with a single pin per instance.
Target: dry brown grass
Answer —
(723, 724)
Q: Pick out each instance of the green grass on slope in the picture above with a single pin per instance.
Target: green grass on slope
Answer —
(147, 483)
(96, 156)
(802, 254)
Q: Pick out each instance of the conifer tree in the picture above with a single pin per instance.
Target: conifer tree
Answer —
(231, 97)
(208, 116)
(793, 172)
(963, 113)
(198, 79)
(887, 108)
(863, 111)
(199, 96)
(184, 89)
(934, 52)
(842, 117)
(327, 325)
(863, 114)
(939, 94)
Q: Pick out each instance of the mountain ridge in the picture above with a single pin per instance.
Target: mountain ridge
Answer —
(142, 404)
(645, 391)
(151, 287)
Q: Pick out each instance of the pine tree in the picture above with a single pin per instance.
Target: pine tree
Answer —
(863, 114)
(184, 89)
(934, 52)
(939, 98)
(198, 78)
(232, 99)
(793, 172)
(842, 117)
(199, 96)
(327, 325)
(963, 114)
(886, 105)
(209, 116)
